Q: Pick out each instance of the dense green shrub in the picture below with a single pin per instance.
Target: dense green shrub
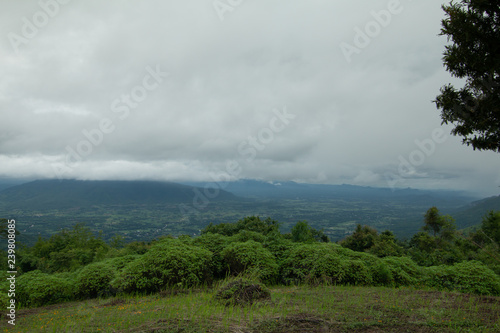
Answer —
(214, 243)
(467, 277)
(382, 274)
(246, 235)
(356, 272)
(404, 271)
(36, 289)
(251, 258)
(379, 270)
(169, 262)
(94, 280)
(312, 262)
(279, 246)
(120, 262)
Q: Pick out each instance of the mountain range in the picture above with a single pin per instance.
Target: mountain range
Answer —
(57, 194)
(146, 209)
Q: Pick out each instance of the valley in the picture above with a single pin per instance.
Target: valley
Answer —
(138, 213)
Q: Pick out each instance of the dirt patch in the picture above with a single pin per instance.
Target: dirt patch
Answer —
(173, 292)
(300, 322)
(304, 322)
(399, 329)
(113, 302)
(47, 308)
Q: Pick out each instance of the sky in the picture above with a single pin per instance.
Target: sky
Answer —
(317, 91)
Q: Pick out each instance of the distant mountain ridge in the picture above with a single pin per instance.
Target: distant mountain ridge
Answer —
(146, 209)
(55, 194)
(292, 190)
(472, 214)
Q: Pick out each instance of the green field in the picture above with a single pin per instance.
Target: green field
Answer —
(291, 309)
(337, 217)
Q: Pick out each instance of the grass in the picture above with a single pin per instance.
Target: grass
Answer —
(291, 309)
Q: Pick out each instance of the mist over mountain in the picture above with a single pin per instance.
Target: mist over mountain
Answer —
(55, 194)
(292, 190)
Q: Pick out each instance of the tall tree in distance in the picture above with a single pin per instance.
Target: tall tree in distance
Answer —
(473, 27)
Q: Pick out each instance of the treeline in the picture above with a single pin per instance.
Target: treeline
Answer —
(76, 264)
(438, 243)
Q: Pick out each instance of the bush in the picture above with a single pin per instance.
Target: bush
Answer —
(94, 280)
(251, 258)
(246, 235)
(241, 292)
(356, 273)
(279, 247)
(168, 263)
(36, 289)
(379, 270)
(119, 263)
(467, 277)
(313, 262)
(214, 243)
(404, 271)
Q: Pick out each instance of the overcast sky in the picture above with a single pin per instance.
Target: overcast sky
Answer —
(315, 91)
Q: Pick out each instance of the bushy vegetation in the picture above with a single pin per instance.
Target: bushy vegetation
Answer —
(467, 277)
(313, 262)
(241, 291)
(36, 288)
(251, 258)
(76, 264)
(94, 280)
(168, 263)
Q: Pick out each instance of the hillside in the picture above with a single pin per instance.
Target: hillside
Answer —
(6, 183)
(472, 214)
(60, 194)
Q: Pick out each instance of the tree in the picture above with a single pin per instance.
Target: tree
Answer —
(473, 26)
(385, 245)
(363, 238)
(432, 221)
(303, 233)
(250, 223)
(442, 226)
(491, 226)
(65, 251)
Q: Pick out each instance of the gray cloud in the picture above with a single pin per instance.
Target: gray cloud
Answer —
(352, 120)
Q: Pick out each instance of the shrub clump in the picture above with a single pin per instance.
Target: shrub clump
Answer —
(250, 258)
(313, 263)
(94, 280)
(466, 277)
(242, 292)
(168, 263)
(214, 243)
(403, 270)
(356, 273)
(36, 289)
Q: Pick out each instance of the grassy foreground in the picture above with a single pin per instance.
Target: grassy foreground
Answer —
(291, 309)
